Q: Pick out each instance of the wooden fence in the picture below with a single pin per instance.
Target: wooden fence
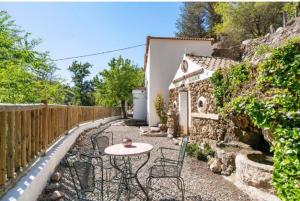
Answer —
(26, 131)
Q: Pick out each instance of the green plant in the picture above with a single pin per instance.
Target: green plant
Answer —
(273, 103)
(160, 108)
(227, 81)
(208, 151)
(201, 154)
(262, 49)
(192, 149)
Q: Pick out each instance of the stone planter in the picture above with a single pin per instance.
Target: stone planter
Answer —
(252, 170)
(226, 153)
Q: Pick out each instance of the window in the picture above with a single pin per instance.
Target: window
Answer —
(174, 106)
(201, 103)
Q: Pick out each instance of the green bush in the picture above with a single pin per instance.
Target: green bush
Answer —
(192, 149)
(273, 103)
(208, 151)
(226, 82)
(262, 49)
(159, 104)
(201, 154)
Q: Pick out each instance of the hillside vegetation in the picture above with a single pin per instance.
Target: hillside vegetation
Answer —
(269, 95)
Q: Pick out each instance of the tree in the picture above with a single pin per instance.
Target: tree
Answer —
(26, 75)
(292, 9)
(83, 89)
(115, 85)
(248, 20)
(197, 19)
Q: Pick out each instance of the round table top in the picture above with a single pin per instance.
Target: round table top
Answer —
(137, 148)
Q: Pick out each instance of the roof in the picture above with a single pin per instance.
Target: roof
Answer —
(169, 38)
(211, 63)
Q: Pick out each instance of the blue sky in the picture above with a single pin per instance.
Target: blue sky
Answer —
(71, 29)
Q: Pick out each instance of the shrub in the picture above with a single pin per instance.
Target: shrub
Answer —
(160, 108)
(201, 154)
(208, 151)
(226, 82)
(192, 149)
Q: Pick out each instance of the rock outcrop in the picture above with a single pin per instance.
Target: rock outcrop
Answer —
(269, 41)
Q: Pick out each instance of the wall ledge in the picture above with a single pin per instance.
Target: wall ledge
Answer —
(201, 115)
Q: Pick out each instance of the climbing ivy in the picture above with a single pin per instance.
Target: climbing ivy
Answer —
(227, 81)
(272, 103)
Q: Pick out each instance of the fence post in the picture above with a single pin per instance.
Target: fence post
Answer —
(94, 117)
(18, 141)
(2, 148)
(11, 146)
(68, 119)
(45, 125)
(23, 138)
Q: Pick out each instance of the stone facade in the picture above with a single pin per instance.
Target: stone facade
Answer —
(203, 128)
(202, 88)
(173, 96)
(207, 129)
(172, 124)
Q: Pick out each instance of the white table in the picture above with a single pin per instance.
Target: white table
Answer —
(118, 150)
(137, 148)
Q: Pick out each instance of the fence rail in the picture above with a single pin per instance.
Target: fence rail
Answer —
(26, 131)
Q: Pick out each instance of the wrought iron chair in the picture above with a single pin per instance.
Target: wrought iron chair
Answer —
(83, 177)
(100, 142)
(167, 168)
(164, 159)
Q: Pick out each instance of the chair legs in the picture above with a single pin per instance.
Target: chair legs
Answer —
(148, 183)
(180, 185)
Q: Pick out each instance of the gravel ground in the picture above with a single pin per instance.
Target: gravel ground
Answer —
(200, 183)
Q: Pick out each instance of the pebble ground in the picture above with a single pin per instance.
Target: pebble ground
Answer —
(200, 183)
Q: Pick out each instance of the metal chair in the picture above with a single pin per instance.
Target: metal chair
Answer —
(167, 168)
(100, 142)
(83, 177)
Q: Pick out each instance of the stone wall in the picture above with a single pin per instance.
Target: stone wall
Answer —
(205, 130)
(202, 88)
(173, 96)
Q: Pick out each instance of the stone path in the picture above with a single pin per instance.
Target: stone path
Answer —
(200, 183)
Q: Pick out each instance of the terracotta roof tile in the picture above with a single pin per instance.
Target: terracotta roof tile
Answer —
(211, 63)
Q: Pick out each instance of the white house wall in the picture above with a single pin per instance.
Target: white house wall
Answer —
(148, 84)
(164, 57)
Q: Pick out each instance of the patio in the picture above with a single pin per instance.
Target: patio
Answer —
(200, 183)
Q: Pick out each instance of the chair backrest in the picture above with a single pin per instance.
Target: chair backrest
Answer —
(181, 156)
(100, 142)
(85, 175)
(106, 133)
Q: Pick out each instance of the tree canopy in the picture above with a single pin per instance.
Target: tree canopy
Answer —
(115, 85)
(238, 20)
(197, 19)
(83, 89)
(26, 75)
(248, 20)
